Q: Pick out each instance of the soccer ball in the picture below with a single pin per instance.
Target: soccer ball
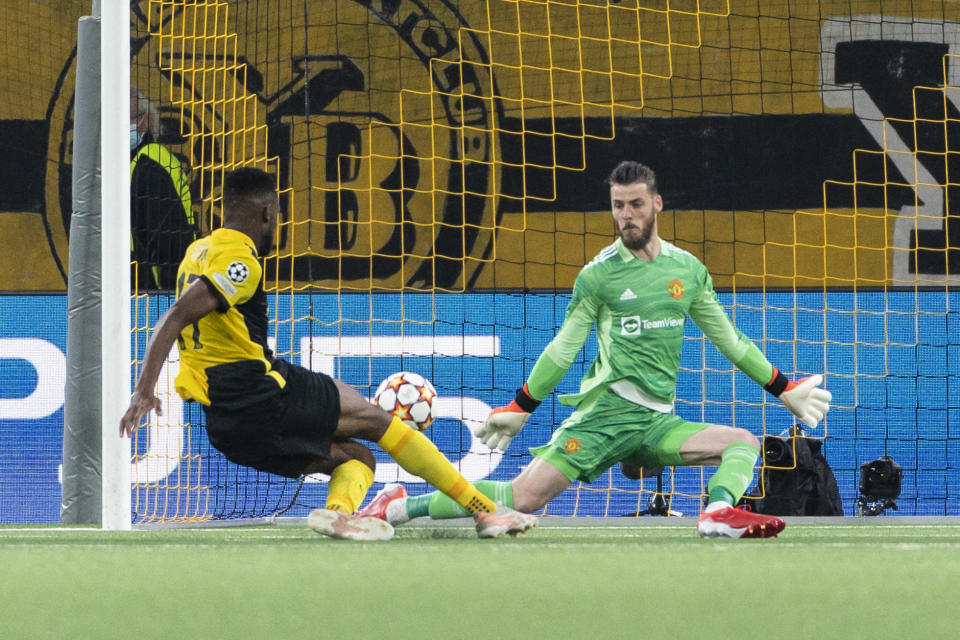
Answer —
(409, 396)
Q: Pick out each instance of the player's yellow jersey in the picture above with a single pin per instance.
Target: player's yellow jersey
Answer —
(224, 357)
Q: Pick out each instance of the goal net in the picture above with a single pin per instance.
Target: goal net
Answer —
(441, 168)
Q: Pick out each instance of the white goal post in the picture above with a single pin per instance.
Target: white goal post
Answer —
(115, 258)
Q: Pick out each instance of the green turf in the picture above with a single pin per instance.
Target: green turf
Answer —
(815, 581)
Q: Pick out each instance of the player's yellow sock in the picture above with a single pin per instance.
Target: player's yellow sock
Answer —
(348, 484)
(414, 452)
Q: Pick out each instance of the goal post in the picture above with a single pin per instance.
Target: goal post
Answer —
(115, 258)
(96, 479)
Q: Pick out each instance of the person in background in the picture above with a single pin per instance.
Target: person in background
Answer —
(162, 222)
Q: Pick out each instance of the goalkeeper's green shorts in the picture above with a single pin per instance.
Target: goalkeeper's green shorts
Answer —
(607, 430)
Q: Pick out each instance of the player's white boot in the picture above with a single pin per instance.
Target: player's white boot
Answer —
(505, 521)
(344, 526)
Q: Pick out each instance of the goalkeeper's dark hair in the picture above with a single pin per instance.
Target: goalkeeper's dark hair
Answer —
(240, 184)
(630, 171)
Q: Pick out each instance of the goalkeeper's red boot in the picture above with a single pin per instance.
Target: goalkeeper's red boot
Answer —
(344, 526)
(378, 506)
(738, 523)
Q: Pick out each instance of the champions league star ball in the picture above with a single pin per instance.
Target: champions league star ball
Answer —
(409, 396)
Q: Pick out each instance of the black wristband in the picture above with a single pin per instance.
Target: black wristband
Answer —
(778, 385)
(525, 402)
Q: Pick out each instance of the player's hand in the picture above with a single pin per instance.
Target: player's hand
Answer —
(502, 425)
(807, 400)
(140, 405)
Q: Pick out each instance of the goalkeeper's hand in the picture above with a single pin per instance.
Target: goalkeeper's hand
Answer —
(504, 423)
(805, 398)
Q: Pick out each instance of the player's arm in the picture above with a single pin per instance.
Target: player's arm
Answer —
(804, 398)
(196, 302)
(504, 423)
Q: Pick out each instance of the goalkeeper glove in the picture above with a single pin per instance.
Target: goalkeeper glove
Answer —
(504, 423)
(804, 398)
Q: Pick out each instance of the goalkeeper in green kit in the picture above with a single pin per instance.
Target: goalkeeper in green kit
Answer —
(637, 292)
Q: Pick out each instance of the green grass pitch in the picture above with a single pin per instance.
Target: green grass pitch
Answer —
(874, 581)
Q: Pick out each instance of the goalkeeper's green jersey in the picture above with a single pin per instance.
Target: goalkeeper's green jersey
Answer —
(639, 309)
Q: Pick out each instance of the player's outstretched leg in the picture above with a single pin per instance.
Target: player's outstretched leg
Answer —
(412, 450)
(720, 519)
(505, 521)
(344, 526)
(417, 454)
(728, 522)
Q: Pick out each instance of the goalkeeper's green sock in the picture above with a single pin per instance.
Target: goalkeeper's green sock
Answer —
(734, 474)
(440, 507)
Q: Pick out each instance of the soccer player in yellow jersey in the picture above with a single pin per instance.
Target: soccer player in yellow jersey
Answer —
(272, 415)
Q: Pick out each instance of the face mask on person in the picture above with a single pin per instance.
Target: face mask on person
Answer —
(135, 136)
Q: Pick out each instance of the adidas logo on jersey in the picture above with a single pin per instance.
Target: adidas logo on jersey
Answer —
(628, 295)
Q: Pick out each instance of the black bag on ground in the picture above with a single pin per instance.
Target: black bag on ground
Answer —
(807, 489)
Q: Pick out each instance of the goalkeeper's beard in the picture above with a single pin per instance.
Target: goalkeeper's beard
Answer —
(636, 241)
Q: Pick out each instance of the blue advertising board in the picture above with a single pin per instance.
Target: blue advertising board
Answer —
(890, 368)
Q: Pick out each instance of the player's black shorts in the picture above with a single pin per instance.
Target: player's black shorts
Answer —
(284, 431)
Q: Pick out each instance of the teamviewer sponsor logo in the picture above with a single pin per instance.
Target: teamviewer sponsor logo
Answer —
(662, 324)
(635, 325)
(631, 325)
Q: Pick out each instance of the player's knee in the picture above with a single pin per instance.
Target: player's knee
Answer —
(366, 423)
(528, 499)
(742, 435)
(359, 418)
(528, 503)
(537, 485)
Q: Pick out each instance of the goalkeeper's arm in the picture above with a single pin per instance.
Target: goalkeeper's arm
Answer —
(504, 423)
(804, 398)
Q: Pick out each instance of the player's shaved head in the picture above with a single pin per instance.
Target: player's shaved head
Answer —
(245, 189)
(250, 204)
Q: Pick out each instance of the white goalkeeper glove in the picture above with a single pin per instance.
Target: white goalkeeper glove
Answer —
(504, 423)
(804, 398)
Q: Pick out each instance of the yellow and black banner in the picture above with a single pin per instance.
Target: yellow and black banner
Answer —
(442, 145)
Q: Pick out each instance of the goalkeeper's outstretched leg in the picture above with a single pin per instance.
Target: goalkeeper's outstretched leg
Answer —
(734, 452)
(560, 462)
